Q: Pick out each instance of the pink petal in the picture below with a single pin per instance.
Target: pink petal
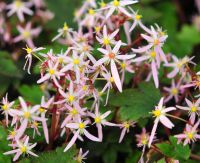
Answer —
(155, 73)
(153, 132)
(122, 135)
(125, 57)
(100, 133)
(166, 122)
(89, 136)
(116, 76)
(72, 141)
(22, 128)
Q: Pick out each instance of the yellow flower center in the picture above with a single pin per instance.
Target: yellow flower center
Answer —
(100, 93)
(51, 71)
(144, 140)
(23, 149)
(74, 112)
(174, 91)
(81, 125)
(153, 54)
(35, 124)
(97, 28)
(28, 50)
(71, 98)
(156, 113)
(76, 61)
(65, 27)
(179, 64)
(79, 159)
(138, 17)
(5, 107)
(41, 110)
(97, 120)
(27, 114)
(103, 4)
(156, 42)
(60, 60)
(84, 87)
(106, 41)
(12, 133)
(123, 65)
(18, 3)
(26, 34)
(91, 11)
(193, 108)
(111, 79)
(116, 3)
(126, 125)
(190, 135)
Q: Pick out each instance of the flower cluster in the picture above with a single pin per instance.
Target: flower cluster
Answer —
(99, 54)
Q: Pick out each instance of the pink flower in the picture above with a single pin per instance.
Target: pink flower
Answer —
(73, 113)
(107, 39)
(173, 91)
(81, 156)
(7, 107)
(26, 114)
(179, 65)
(29, 57)
(99, 120)
(70, 97)
(27, 34)
(152, 57)
(22, 148)
(142, 140)
(42, 111)
(193, 108)
(75, 62)
(64, 32)
(137, 21)
(53, 73)
(126, 67)
(125, 129)
(85, 50)
(160, 114)
(156, 40)
(190, 134)
(19, 7)
(111, 56)
(118, 5)
(80, 128)
(89, 20)
(108, 86)
(194, 83)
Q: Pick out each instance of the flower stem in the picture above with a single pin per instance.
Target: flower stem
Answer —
(100, 79)
(37, 57)
(175, 117)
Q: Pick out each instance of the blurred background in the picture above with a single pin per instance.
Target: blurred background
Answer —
(180, 19)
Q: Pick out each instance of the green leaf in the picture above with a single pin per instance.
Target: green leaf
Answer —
(134, 157)
(186, 39)
(53, 156)
(32, 93)
(63, 11)
(136, 103)
(4, 146)
(8, 71)
(7, 66)
(174, 150)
